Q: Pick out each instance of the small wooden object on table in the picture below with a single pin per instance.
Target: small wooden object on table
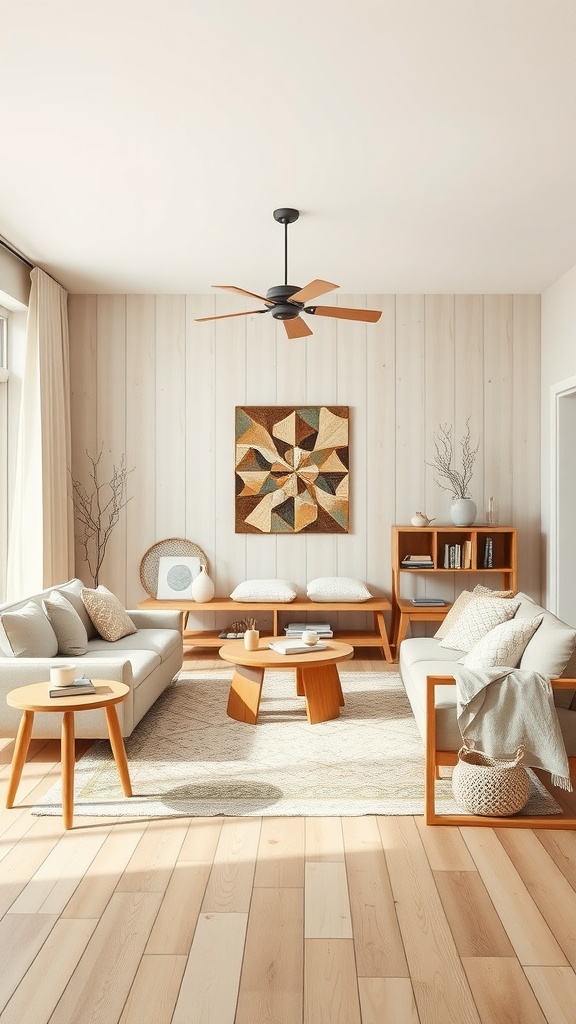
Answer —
(317, 678)
(36, 697)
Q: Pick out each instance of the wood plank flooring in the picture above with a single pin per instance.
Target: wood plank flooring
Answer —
(371, 920)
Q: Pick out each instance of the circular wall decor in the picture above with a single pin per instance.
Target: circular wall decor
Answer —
(174, 546)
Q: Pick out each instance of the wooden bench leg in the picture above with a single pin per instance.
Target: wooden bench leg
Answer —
(245, 693)
(19, 756)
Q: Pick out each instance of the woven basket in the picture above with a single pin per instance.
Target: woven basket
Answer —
(486, 785)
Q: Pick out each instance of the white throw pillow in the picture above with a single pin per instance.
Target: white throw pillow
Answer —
(480, 616)
(277, 591)
(108, 614)
(67, 624)
(27, 633)
(503, 645)
(461, 603)
(337, 588)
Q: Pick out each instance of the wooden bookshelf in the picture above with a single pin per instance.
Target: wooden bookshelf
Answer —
(431, 541)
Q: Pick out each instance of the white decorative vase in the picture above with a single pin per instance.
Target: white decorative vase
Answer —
(202, 586)
(463, 512)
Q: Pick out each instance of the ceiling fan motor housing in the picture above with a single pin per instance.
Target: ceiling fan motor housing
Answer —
(279, 295)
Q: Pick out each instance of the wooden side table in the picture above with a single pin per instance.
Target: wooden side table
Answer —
(36, 697)
(317, 678)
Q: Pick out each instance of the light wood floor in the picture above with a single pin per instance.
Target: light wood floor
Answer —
(370, 920)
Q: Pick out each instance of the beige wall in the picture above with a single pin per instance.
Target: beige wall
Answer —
(150, 382)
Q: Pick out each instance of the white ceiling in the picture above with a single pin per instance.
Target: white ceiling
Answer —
(430, 144)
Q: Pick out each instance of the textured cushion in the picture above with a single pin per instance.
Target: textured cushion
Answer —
(264, 590)
(72, 591)
(107, 613)
(337, 588)
(461, 603)
(481, 615)
(550, 649)
(452, 616)
(26, 633)
(503, 645)
(67, 625)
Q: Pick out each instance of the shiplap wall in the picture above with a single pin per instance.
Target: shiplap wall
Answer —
(149, 382)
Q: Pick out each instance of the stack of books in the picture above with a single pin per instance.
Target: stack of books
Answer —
(418, 562)
(76, 689)
(295, 629)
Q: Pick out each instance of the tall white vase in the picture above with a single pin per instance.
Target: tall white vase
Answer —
(463, 512)
(202, 586)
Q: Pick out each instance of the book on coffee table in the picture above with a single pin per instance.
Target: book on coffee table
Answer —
(75, 689)
(294, 647)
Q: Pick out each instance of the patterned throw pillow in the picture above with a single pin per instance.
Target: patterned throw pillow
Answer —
(107, 613)
(476, 620)
(461, 603)
(264, 590)
(337, 588)
(503, 645)
(67, 624)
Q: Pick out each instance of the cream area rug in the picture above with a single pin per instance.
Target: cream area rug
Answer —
(186, 757)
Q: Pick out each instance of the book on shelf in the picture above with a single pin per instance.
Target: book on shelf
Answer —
(415, 562)
(294, 647)
(427, 602)
(488, 553)
(417, 558)
(326, 633)
(316, 626)
(467, 554)
(76, 689)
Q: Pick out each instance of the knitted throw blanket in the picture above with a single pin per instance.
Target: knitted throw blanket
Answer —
(500, 708)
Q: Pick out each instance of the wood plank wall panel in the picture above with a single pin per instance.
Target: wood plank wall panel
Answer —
(170, 409)
(146, 376)
(82, 321)
(526, 448)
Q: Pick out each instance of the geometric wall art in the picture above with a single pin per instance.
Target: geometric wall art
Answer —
(292, 469)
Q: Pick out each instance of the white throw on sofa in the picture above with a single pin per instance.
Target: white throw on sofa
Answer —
(550, 651)
(147, 659)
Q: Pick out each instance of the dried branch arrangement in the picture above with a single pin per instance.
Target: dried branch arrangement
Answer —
(98, 509)
(458, 480)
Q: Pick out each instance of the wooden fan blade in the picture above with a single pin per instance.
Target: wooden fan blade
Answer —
(310, 291)
(296, 328)
(371, 316)
(242, 291)
(224, 316)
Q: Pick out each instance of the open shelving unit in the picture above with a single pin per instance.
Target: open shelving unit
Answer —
(432, 541)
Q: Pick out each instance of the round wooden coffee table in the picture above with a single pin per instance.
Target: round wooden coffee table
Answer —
(317, 678)
(36, 697)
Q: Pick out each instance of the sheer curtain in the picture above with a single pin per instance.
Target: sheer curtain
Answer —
(41, 540)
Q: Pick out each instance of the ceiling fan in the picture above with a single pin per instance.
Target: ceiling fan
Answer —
(287, 301)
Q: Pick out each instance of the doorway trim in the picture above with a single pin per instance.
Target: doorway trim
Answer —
(562, 389)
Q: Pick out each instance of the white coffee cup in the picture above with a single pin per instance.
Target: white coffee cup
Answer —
(310, 637)
(63, 675)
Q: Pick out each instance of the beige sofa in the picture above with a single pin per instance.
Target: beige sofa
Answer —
(426, 669)
(146, 661)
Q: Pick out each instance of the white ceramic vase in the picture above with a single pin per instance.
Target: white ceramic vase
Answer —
(202, 586)
(463, 512)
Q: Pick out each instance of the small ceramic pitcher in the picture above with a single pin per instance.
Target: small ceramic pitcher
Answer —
(419, 519)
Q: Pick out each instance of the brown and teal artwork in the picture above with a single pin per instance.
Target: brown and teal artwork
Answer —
(292, 469)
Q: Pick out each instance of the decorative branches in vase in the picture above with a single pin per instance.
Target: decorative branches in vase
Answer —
(457, 481)
(97, 510)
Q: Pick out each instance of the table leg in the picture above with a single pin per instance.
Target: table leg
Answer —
(19, 756)
(323, 693)
(245, 693)
(68, 755)
(118, 749)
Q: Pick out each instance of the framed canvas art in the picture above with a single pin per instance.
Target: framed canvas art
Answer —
(176, 574)
(292, 469)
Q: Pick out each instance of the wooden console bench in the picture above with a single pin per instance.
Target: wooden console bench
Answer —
(378, 637)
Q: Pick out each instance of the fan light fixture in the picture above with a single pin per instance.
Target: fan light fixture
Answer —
(287, 301)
